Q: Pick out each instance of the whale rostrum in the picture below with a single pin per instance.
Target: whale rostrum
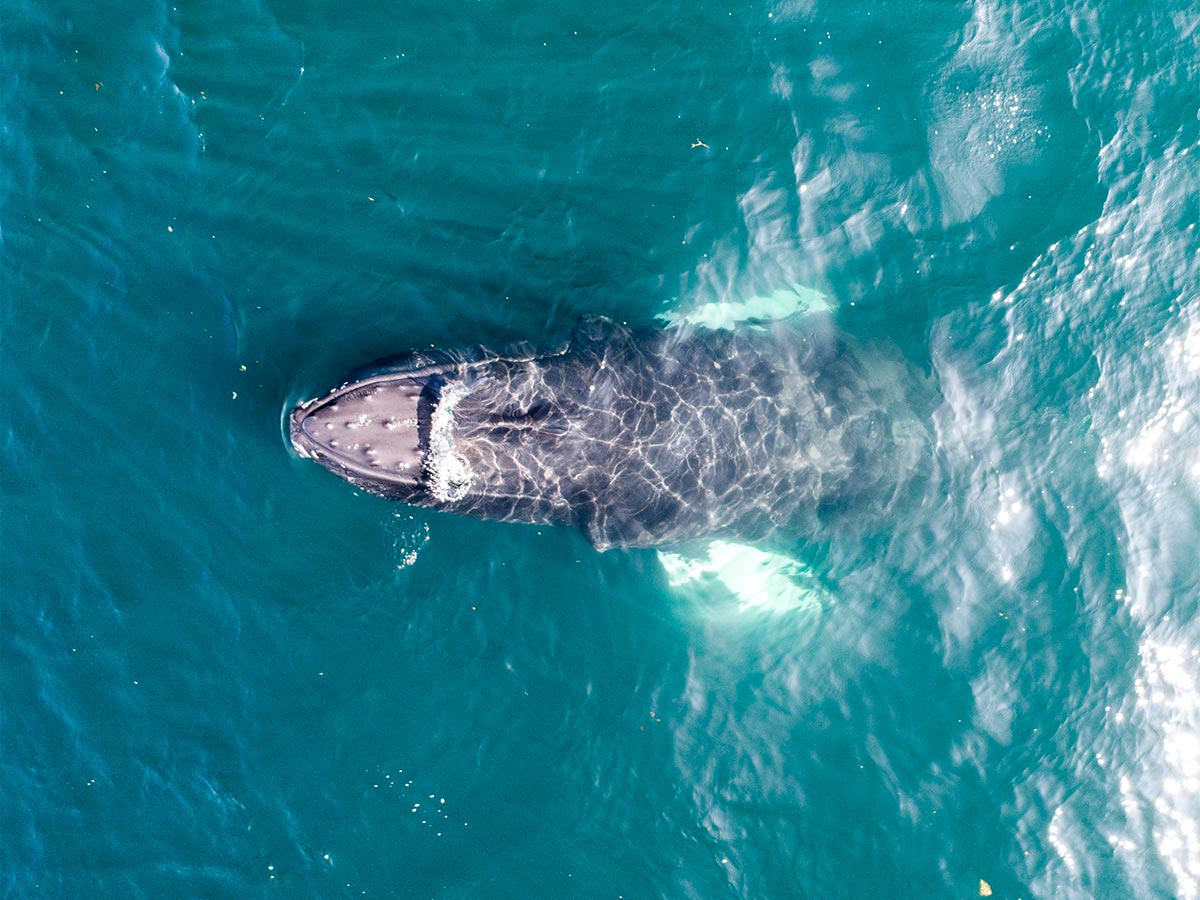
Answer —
(639, 438)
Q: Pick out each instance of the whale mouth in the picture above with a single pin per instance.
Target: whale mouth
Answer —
(374, 432)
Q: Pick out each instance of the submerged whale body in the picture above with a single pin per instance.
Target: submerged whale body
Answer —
(639, 438)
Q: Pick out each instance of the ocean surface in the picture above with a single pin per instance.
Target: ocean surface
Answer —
(224, 673)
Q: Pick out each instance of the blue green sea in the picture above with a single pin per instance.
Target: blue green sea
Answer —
(225, 673)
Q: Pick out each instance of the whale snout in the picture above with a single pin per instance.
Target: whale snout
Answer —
(373, 432)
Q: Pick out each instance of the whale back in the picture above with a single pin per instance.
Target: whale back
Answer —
(654, 438)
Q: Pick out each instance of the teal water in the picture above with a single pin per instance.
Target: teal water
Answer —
(224, 673)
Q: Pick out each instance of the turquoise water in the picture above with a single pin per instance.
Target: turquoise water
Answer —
(225, 673)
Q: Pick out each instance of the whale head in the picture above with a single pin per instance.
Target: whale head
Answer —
(374, 432)
(477, 436)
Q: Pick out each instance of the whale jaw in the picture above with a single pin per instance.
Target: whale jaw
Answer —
(374, 433)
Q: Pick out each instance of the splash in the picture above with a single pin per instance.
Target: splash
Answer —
(449, 474)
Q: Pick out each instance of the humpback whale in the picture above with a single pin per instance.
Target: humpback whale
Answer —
(640, 438)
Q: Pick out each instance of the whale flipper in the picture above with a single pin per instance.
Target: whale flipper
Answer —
(784, 303)
(757, 579)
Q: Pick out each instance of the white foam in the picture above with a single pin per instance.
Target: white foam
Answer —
(449, 474)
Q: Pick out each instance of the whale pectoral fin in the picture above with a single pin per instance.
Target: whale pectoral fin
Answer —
(796, 300)
(757, 579)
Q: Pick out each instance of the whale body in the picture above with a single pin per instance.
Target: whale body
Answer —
(640, 438)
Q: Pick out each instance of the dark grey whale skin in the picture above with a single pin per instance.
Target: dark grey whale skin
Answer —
(639, 438)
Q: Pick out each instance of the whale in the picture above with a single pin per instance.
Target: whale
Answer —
(638, 437)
